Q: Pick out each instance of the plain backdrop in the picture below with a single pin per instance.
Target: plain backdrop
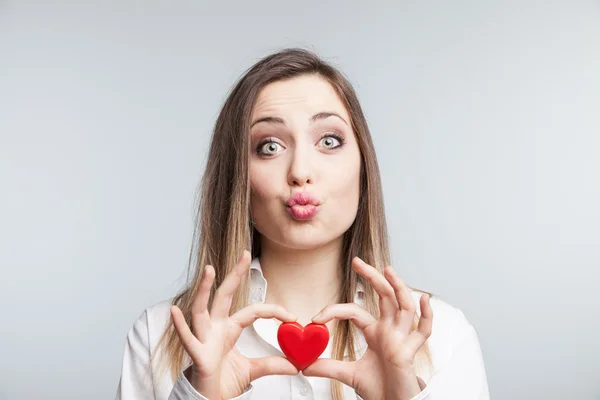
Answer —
(485, 117)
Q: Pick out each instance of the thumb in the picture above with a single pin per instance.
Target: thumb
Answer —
(342, 371)
(273, 365)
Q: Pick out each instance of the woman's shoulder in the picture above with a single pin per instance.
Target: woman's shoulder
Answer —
(153, 321)
(160, 311)
(157, 312)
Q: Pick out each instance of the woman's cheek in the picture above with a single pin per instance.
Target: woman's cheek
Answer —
(348, 198)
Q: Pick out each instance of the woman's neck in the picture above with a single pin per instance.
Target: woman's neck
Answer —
(302, 281)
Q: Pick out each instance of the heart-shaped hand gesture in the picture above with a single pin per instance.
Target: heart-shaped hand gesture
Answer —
(386, 369)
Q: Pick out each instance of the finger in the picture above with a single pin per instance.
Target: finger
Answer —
(224, 294)
(273, 365)
(420, 335)
(388, 305)
(187, 338)
(404, 300)
(200, 303)
(200, 315)
(342, 371)
(357, 314)
(247, 315)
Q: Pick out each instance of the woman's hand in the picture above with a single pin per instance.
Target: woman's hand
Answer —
(386, 369)
(219, 371)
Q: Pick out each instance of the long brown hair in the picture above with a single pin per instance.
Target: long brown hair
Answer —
(223, 226)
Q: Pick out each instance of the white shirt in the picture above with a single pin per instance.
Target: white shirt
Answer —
(458, 368)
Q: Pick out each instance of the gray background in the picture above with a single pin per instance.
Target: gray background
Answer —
(486, 121)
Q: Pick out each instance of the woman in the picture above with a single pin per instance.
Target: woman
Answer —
(292, 176)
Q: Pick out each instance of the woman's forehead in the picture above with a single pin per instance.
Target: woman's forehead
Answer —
(308, 94)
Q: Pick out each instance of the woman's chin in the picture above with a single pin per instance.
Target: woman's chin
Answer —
(306, 240)
(296, 235)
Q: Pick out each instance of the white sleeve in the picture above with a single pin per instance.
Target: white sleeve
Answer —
(423, 395)
(183, 390)
(464, 376)
(136, 374)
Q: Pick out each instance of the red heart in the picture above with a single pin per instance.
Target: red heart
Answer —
(302, 345)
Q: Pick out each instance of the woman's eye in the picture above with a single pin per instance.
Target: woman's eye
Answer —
(329, 142)
(268, 148)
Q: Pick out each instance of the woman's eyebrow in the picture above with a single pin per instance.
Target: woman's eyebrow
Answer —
(318, 116)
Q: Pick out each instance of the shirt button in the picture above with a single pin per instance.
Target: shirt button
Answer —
(304, 390)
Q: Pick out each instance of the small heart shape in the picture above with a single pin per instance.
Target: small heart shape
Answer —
(302, 345)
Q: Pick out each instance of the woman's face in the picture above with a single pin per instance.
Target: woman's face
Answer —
(299, 147)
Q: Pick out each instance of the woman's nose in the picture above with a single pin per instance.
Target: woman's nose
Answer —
(301, 169)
